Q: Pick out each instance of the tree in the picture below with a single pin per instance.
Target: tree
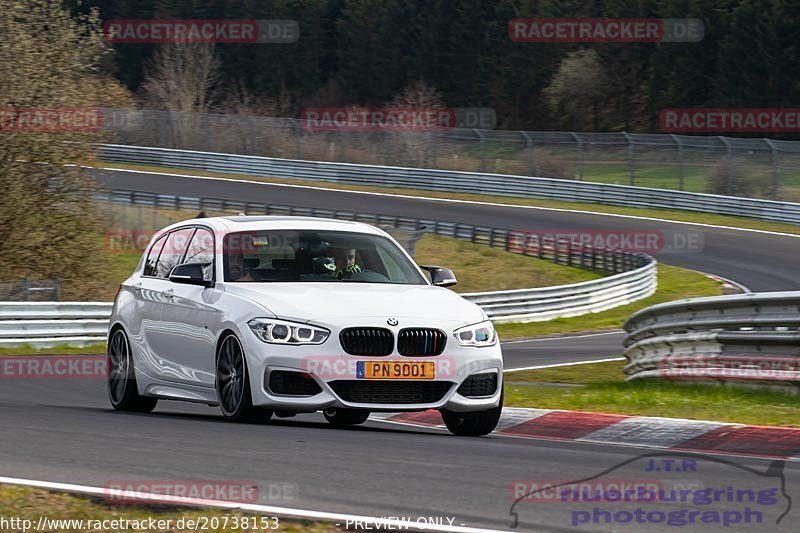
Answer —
(578, 89)
(417, 96)
(48, 228)
(183, 78)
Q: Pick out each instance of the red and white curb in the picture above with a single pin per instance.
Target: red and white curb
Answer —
(651, 432)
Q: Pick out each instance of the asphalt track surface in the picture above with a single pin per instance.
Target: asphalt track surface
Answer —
(64, 430)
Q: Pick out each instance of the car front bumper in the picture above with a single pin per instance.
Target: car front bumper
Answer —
(454, 366)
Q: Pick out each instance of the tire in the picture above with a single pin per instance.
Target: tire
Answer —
(122, 390)
(346, 417)
(233, 384)
(473, 424)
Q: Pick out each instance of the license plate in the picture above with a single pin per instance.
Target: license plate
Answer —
(395, 369)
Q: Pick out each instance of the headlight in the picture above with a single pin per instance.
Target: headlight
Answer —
(481, 334)
(282, 332)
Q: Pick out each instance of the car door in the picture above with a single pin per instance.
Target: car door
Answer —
(157, 290)
(190, 319)
(143, 325)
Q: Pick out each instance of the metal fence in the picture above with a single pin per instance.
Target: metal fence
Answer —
(30, 290)
(458, 182)
(44, 324)
(750, 338)
(746, 167)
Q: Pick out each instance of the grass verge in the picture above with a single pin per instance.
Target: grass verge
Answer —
(481, 268)
(31, 504)
(667, 214)
(674, 283)
(604, 390)
(58, 350)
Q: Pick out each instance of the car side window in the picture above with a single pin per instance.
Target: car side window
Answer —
(201, 250)
(173, 251)
(152, 256)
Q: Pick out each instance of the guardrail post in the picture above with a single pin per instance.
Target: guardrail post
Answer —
(26, 289)
(775, 179)
(569, 252)
(731, 188)
(580, 154)
(482, 148)
(57, 288)
(529, 144)
(682, 177)
(296, 128)
(556, 253)
(631, 155)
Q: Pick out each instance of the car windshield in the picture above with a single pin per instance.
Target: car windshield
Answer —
(321, 256)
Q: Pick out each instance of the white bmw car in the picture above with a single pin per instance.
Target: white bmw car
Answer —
(264, 315)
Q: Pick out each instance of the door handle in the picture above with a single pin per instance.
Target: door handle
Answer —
(169, 293)
(137, 286)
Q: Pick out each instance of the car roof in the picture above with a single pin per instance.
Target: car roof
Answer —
(228, 224)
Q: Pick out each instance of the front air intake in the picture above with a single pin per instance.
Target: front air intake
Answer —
(288, 383)
(421, 341)
(478, 385)
(367, 341)
(390, 392)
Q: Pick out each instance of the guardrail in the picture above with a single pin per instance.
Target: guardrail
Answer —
(546, 303)
(456, 182)
(46, 324)
(750, 338)
(735, 166)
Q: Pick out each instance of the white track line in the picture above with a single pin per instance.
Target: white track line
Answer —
(556, 365)
(563, 337)
(339, 519)
(451, 200)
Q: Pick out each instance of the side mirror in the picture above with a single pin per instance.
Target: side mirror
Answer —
(190, 274)
(440, 276)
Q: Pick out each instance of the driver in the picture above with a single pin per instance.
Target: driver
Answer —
(346, 264)
(236, 268)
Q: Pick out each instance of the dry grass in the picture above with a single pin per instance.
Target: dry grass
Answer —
(31, 504)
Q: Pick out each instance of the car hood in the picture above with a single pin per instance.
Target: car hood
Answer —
(332, 302)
